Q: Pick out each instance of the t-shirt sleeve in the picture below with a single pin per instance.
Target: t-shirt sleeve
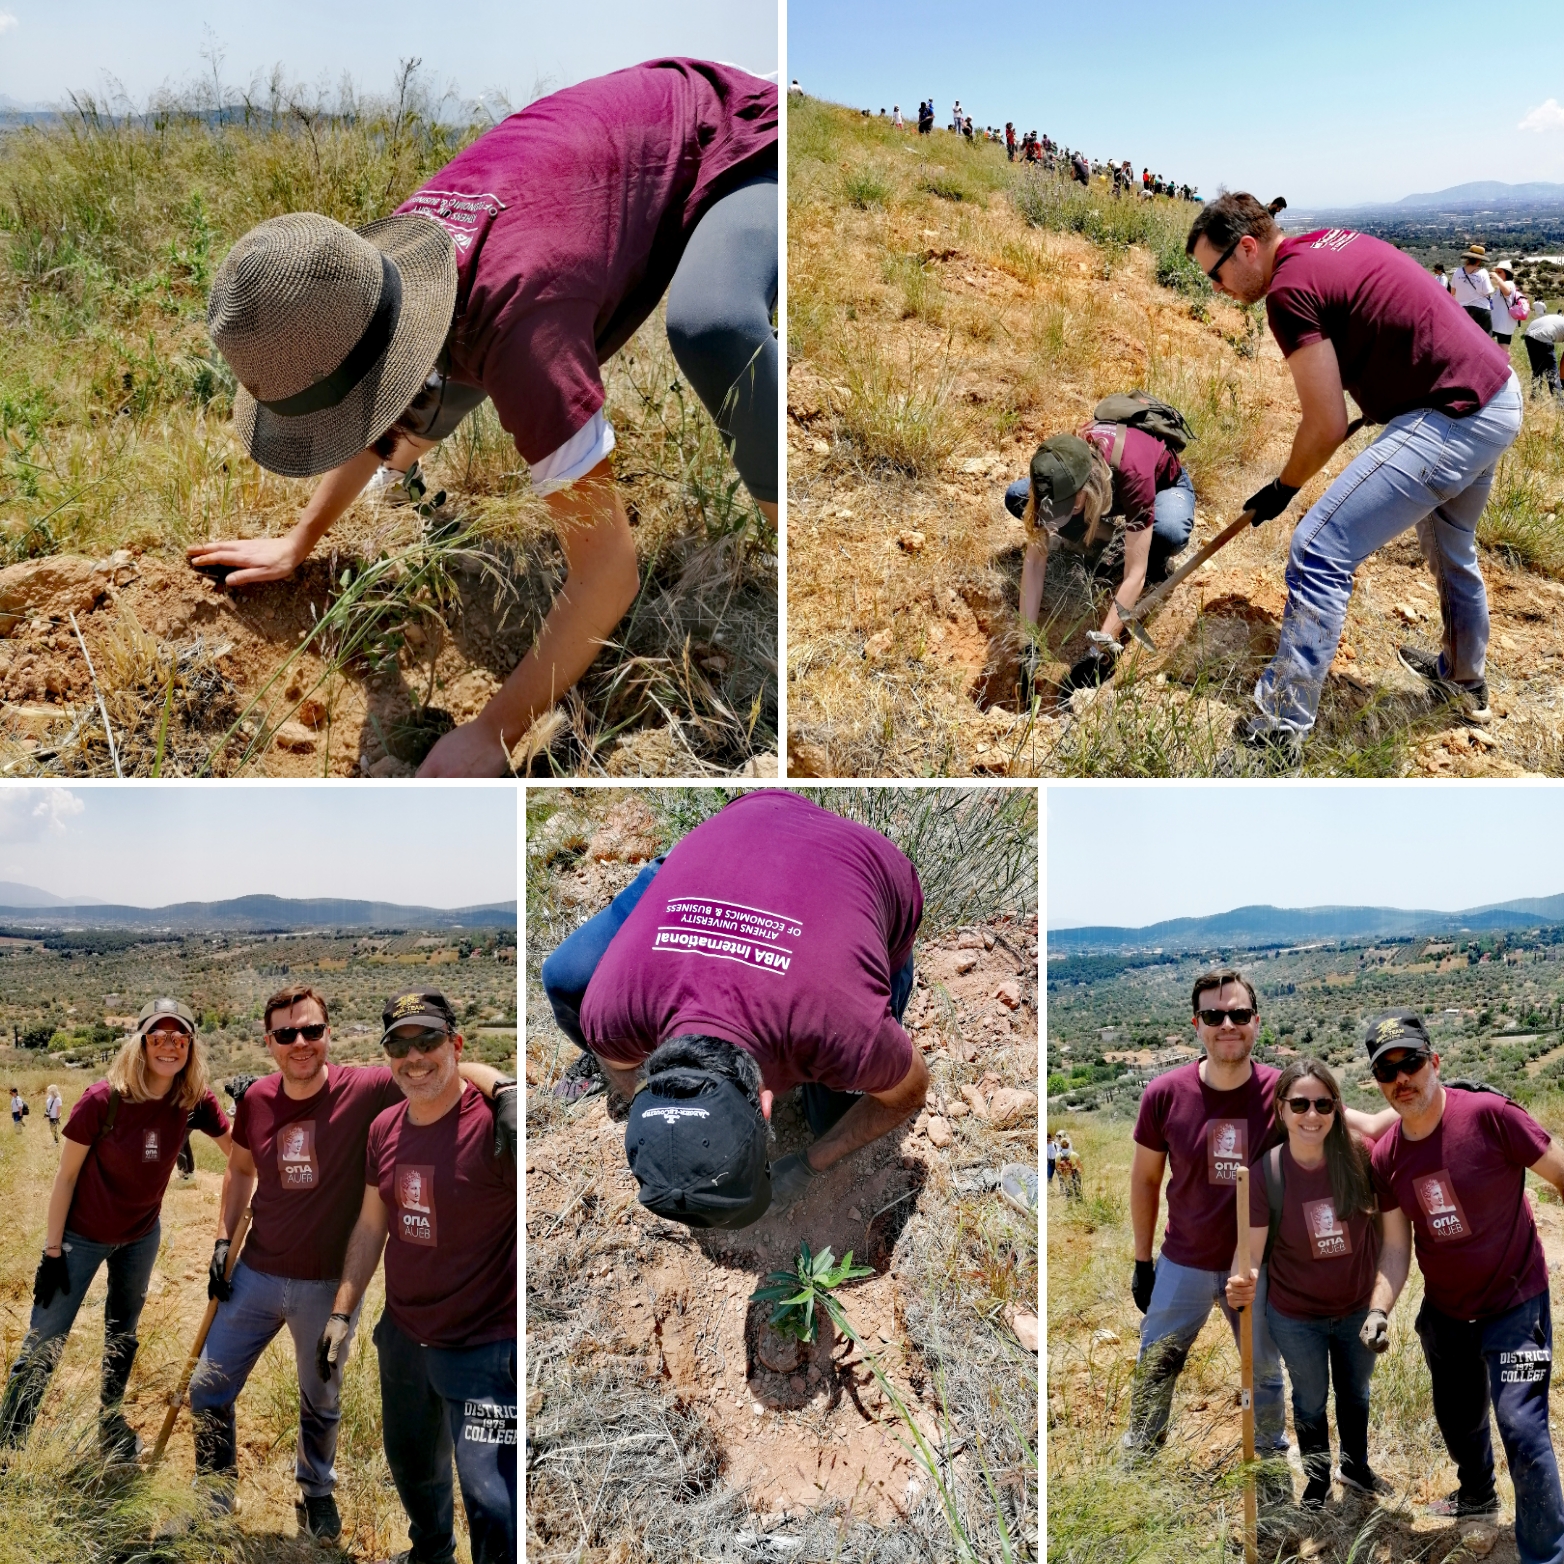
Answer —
(1524, 1140)
(1150, 1120)
(87, 1117)
(882, 1065)
(241, 1124)
(208, 1116)
(906, 912)
(541, 372)
(1379, 1176)
(1294, 316)
(1135, 493)
(374, 1148)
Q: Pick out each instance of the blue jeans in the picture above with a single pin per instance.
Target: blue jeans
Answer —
(261, 1306)
(569, 968)
(1318, 1352)
(436, 1402)
(130, 1268)
(1181, 1302)
(1174, 513)
(1506, 1362)
(1428, 471)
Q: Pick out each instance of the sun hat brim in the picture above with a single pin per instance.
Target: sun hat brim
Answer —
(313, 443)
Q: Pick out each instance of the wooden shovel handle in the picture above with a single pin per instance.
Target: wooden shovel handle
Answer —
(1246, 1372)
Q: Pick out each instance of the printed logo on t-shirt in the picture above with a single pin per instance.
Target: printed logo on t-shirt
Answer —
(464, 215)
(415, 1221)
(149, 1146)
(727, 931)
(1327, 1237)
(1436, 1195)
(297, 1165)
(1227, 1149)
(1334, 239)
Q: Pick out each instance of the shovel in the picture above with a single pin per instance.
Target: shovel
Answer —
(1246, 1367)
(1130, 617)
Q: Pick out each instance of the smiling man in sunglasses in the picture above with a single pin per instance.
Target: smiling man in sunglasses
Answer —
(1203, 1121)
(1453, 1170)
(299, 1139)
(1354, 314)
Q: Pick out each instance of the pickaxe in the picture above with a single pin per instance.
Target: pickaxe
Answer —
(1131, 617)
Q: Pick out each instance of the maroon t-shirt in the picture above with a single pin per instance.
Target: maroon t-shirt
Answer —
(1401, 340)
(1207, 1137)
(776, 926)
(1145, 469)
(1464, 1188)
(451, 1249)
(309, 1157)
(1322, 1265)
(119, 1190)
(570, 219)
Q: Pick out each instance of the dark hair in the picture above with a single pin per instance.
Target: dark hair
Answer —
(1345, 1158)
(694, 1051)
(1224, 221)
(1220, 979)
(287, 998)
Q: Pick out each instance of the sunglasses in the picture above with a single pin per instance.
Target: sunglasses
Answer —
(1227, 255)
(284, 1035)
(1321, 1105)
(1386, 1070)
(1239, 1017)
(426, 1042)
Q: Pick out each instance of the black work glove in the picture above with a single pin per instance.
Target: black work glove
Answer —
(53, 1276)
(1270, 501)
(505, 1120)
(238, 1086)
(330, 1351)
(790, 1179)
(1375, 1334)
(218, 1285)
(1095, 668)
(1145, 1280)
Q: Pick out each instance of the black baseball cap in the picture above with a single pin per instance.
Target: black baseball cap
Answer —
(1393, 1029)
(697, 1147)
(430, 1008)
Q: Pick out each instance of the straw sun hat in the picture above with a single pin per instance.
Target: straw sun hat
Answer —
(330, 332)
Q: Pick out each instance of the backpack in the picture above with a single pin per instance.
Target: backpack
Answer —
(1137, 410)
(1520, 305)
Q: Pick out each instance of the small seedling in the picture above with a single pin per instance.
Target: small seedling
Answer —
(797, 1292)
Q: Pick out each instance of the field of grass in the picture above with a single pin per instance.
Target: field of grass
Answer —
(644, 1442)
(946, 312)
(115, 447)
(1186, 1504)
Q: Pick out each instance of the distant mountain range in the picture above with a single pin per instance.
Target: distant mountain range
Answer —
(250, 914)
(1264, 925)
(1486, 193)
(14, 895)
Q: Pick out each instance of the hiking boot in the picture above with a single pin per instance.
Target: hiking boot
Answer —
(582, 1079)
(1315, 1492)
(118, 1442)
(1365, 1480)
(1260, 742)
(318, 1517)
(1457, 1505)
(1471, 699)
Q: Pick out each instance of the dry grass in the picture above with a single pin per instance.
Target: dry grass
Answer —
(937, 332)
(114, 434)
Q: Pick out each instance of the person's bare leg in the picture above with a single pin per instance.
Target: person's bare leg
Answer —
(768, 509)
(602, 580)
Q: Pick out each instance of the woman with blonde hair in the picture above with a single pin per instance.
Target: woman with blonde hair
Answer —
(52, 1103)
(120, 1144)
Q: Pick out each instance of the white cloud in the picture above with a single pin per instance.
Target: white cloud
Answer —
(1546, 116)
(29, 814)
(7, 21)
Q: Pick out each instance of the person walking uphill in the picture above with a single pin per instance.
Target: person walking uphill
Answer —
(1200, 1123)
(441, 1182)
(771, 948)
(517, 270)
(1453, 1169)
(1353, 313)
(120, 1144)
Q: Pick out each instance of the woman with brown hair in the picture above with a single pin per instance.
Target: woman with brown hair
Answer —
(1313, 1196)
(120, 1144)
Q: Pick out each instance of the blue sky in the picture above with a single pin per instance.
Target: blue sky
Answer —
(1335, 102)
(1133, 855)
(48, 47)
(151, 845)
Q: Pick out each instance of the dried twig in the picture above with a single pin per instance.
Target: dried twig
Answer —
(104, 710)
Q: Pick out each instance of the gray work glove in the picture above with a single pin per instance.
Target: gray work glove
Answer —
(790, 1178)
(1375, 1334)
(331, 1351)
